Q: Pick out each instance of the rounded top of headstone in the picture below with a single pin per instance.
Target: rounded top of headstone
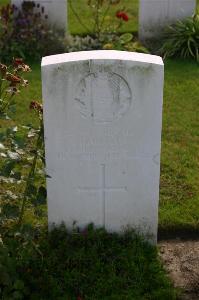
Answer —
(101, 55)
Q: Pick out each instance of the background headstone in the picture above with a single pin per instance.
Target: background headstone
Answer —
(55, 9)
(102, 117)
(154, 15)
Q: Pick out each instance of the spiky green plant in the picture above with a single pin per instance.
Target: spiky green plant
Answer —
(182, 39)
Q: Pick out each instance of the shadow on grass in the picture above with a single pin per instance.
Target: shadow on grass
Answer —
(91, 264)
(184, 232)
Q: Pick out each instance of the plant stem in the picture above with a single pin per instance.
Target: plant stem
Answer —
(105, 13)
(77, 16)
(97, 20)
(31, 174)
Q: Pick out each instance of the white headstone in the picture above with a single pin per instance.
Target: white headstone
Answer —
(155, 15)
(102, 119)
(56, 10)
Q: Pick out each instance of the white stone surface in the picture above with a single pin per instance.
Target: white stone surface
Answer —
(55, 9)
(102, 117)
(154, 15)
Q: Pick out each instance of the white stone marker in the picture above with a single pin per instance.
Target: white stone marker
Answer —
(102, 119)
(55, 9)
(154, 15)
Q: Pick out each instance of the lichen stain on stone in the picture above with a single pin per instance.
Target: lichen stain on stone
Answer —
(144, 70)
(56, 71)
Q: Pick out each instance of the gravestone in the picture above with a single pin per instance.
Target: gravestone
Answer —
(102, 119)
(155, 15)
(56, 10)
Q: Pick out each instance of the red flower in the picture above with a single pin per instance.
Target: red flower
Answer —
(17, 62)
(125, 17)
(122, 15)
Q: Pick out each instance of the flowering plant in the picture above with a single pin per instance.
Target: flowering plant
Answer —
(11, 82)
(25, 32)
(102, 22)
(122, 15)
(20, 146)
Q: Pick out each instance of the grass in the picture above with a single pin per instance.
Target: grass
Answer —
(179, 190)
(92, 264)
(4, 2)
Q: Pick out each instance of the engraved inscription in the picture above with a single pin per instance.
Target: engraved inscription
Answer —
(103, 96)
(103, 189)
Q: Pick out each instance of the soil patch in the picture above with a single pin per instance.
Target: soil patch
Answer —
(181, 259)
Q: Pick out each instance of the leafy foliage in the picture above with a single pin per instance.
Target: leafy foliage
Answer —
(25, 33)
(87, 264)
(22, 149)
(182, 39)
(124, 42)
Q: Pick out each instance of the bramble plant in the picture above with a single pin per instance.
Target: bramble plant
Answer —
(22, 154)
(11, 82)
(18, 146)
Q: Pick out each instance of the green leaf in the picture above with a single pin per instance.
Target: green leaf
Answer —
(14, 155)
(7, 168)
(16, 175)
(41, 196)
(10, 211)
(2, 136)
(18, 285)
(2, 147)
(17, 295)
(15, 129)
(10, 195)
(12, 108)
(38, 212)
(20, 141)
(32, 190)
(126, 38)
(4, 116)
(4, 278)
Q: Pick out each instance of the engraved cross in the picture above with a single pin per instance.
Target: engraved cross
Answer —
(103, 189)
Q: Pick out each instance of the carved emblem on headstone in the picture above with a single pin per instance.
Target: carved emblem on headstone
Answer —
(103, 96)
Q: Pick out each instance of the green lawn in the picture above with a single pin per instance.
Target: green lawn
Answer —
(4, 2)
(179, 191)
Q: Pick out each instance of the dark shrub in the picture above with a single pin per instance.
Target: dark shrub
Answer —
(26, 33)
